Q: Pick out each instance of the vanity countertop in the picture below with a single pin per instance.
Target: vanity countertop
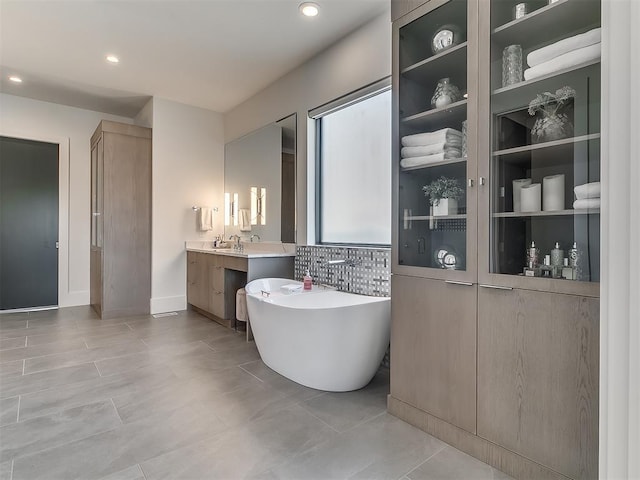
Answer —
(251, 250)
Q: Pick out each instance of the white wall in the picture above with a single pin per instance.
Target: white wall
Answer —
(33, 119)
(361, 58)
(620, 287)
(188, 170)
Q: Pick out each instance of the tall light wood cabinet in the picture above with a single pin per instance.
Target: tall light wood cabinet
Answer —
(492, 354)
(120, 219)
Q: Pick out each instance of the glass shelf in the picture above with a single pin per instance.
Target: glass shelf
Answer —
(554, 213)
(451, 61)
(538, 146)
(451, 161)
(454, 113)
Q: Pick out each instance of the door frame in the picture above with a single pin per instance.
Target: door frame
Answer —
(63, 206)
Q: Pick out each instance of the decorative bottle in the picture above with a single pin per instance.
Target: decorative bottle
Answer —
(307, 281)
(557, 256)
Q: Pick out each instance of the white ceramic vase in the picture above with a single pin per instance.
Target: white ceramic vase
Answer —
(446, 206)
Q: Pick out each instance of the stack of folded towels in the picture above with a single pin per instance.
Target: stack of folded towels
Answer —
(430, 147)
(587, 195)
(566, 53)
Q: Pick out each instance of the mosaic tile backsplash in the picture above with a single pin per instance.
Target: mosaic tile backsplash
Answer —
(371, 274)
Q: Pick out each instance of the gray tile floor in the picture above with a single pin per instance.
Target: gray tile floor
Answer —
(181, 397)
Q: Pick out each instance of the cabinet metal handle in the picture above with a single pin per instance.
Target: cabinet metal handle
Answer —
(482, 180)
(470, 182)
(496, 287)
(454, 282)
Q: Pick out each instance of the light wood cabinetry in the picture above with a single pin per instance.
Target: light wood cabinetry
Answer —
(213, 280)
(538, 378)
(120, 220)
(433, 355)
(494, 357)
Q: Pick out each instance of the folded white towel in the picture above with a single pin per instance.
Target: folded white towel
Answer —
(561, 47)
(245, 220)
(424, 160)
(429, 138)
(586, 203)
(291, 288)
(446, 148)
(588, 190)
(205, 219)
(566, 60)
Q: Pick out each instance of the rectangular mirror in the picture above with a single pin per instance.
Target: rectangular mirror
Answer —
(260, 184)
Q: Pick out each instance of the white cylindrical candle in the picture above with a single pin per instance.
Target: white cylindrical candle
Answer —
(517, 185)
(530, 197)
(553, 192)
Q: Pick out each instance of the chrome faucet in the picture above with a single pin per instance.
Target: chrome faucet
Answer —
(253, 236)
(349, 262)
(236, 242)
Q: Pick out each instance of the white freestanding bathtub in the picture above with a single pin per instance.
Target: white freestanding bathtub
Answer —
(322, 338)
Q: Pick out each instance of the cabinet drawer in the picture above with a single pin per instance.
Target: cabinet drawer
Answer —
(236, 263)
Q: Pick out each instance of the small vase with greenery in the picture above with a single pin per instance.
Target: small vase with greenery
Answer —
(444, 194)
(553, 123)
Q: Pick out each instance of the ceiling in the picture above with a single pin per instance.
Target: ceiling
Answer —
(209, 53)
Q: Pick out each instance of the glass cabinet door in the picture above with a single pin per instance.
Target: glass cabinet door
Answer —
(544, 142)
(434, 205)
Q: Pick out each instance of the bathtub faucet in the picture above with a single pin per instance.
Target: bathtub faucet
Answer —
(349, 262)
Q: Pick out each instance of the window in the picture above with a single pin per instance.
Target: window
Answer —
(353, 176)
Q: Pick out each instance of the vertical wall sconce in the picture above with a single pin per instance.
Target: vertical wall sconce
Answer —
(235, 209)
(254, 205)
(262, 206)
(230, 209)
(258, 205)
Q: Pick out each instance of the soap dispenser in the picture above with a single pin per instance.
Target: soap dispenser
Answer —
(307, 280)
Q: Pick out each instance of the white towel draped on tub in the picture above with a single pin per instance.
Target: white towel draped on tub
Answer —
(588, 190)
(205, 219)
(446, 135)
(561, 62)
(561, 47)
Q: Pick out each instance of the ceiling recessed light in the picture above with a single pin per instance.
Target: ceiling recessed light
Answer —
(15, 79)
(309, 9)
(112, 59)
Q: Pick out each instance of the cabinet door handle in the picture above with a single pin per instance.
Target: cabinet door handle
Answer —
(470, 182)
(482, 180)
(496, 287)
(454, 282)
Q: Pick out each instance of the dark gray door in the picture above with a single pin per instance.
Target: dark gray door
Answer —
(28, 223)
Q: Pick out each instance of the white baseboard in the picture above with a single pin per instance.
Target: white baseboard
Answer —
(168, 304)
(74, 299)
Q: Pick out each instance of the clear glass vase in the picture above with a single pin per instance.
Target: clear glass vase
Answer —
(551, 126)
(511, 65)
(445, 93)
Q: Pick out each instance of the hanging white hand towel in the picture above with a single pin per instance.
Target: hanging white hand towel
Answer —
(205, 219)
(245, 220)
